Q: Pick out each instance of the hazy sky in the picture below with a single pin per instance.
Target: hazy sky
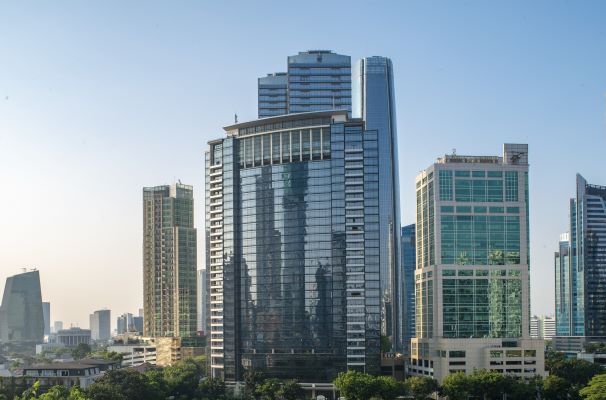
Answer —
(98, 99)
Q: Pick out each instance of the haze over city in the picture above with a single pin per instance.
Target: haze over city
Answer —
(98, 100)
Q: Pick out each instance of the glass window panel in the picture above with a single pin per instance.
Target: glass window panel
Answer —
(285, 147)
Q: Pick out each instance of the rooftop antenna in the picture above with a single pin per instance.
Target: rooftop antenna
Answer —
(235, 118)
(454, 151)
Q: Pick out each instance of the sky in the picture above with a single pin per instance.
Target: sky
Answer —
(101, 98)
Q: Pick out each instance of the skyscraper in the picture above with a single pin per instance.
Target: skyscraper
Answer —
(169, 261)
(317, 80)
(273, 94)
(202, 299)
(580, 267)
(407, 285)
(21, 313)
(100, 325)
(472, 277)
(374, 102)
(46, 314)
(293, 247)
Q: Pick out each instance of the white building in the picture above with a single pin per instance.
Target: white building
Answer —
(542, 327)
(134, 355)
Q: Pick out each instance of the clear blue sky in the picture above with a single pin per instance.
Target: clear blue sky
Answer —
(98, 99)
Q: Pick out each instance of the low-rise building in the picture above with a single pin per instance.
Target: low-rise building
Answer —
(72, 337)
(135, 355)
(82, 373)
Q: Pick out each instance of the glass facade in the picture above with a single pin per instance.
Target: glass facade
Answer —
(293, 251)
(472, 272)
(580, 264)
(169, 261)
(273, 95)
(21, 314)
(407, 297)
(374, 101)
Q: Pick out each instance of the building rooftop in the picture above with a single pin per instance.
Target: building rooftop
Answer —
(286, 121)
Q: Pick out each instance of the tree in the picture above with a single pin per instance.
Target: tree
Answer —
(421, 387)
(556, 388)
(577, 372)
(123, 384)
(457, 386)
(268, 389)
(489, 385)
(183, 378)
(388, 388)
(291, 390)
(211, 389)
(81, 351)
(252, 379)
(385, 344)
(596, 389)
(355, 385)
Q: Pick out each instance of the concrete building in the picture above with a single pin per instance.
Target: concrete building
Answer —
(202, 299)
(72, 337)
(293, 248)
(134, 355)
(100, 325)
(82, 373)
(580, 271)
(57, 326)
(169, 261)
(47, 315)
(543, 327)
(21, 312)
(472, 276)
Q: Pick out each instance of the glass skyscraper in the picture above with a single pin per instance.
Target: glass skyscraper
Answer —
(374, 101)
(169, 261)
(21, 313)
(317, 80)
(292, 230)
(472, 277)
(580, 266)
(407, 284)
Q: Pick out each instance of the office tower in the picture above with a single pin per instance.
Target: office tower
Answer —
(46, 315)
(472, 278)
(57, 326)
(21, 312)
(535, 327)
(548, 328)
(273, 94)
(407, 285)
(100, 325)
(137, 325)
(124, 323)
(202, 297)
(373, 101)
(580, 269)
(293, 248)
(169, 261)
(317, 80)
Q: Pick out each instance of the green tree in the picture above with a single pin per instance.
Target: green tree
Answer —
(421, 387)
(385, 344)
(182, 379)
(355, 385)
(123, 384)
(211, 389)
(268, 389)
(458, 386)
(577, 372)
(81, 350)
(291, 390)
(596, 389)
(388, 388)
(556, 388)
(252, 379)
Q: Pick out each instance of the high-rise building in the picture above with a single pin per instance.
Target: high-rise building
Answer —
(273, 94)
(46, 314)
(374, 101)
(57, 326)
(472, 278)
(317, 80)
(543, 327)
(169, 261)
(580, 268)
(407, 285)
(293, 247)
(100, 325)
(202, 299)
(535, 327)
(21, 312)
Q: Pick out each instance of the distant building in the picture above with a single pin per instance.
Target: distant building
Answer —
(100, 325)
(202, 298)
(580, 268)
(72, 337)
(169, 261)
(57, 326)
(47, 316)
(543, 327)
(273, 94)
(407, 285)
(21, 312)
(128, 323)
(137, 354)
(82, 373)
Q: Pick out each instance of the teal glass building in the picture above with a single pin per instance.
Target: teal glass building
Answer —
(21, 313)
